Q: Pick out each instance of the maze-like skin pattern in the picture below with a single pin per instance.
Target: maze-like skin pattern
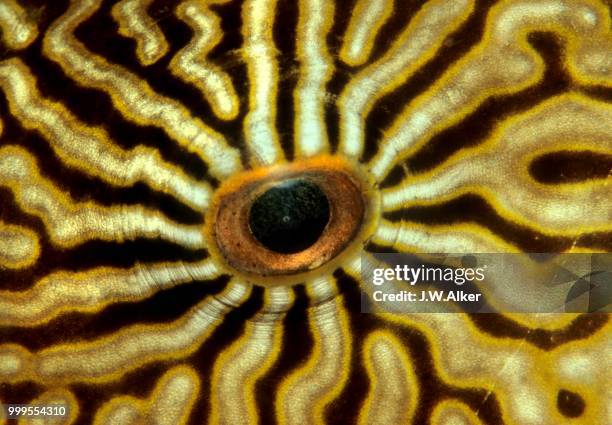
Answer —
(486, 125)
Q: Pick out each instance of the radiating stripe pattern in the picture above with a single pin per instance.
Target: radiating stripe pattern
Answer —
(486, 125)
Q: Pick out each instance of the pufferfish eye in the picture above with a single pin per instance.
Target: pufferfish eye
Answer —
(193, 194)
(291, 218)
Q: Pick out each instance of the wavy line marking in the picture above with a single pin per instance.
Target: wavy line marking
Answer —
(133, 96)
(19, 246)
(18, 30)
(70, 223)
(89, 148)
(169, 404)
(134, 22)
(92, 290)
(191, 65)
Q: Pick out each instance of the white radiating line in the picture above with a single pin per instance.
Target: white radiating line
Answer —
(566, 122)
(315, 70)
(413, 237)
(239, 367)
(415, 45)
(70, 223)
(131, 347)
(262, 66)
(366, 20)
(91, 290)
(321, 289)
(304, 395)
(90, 148)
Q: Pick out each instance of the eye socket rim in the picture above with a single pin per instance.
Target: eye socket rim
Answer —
(351, 220)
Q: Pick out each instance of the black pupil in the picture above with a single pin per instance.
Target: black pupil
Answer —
(290, 217)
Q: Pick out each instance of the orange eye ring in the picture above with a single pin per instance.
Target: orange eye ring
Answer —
(350, 196)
